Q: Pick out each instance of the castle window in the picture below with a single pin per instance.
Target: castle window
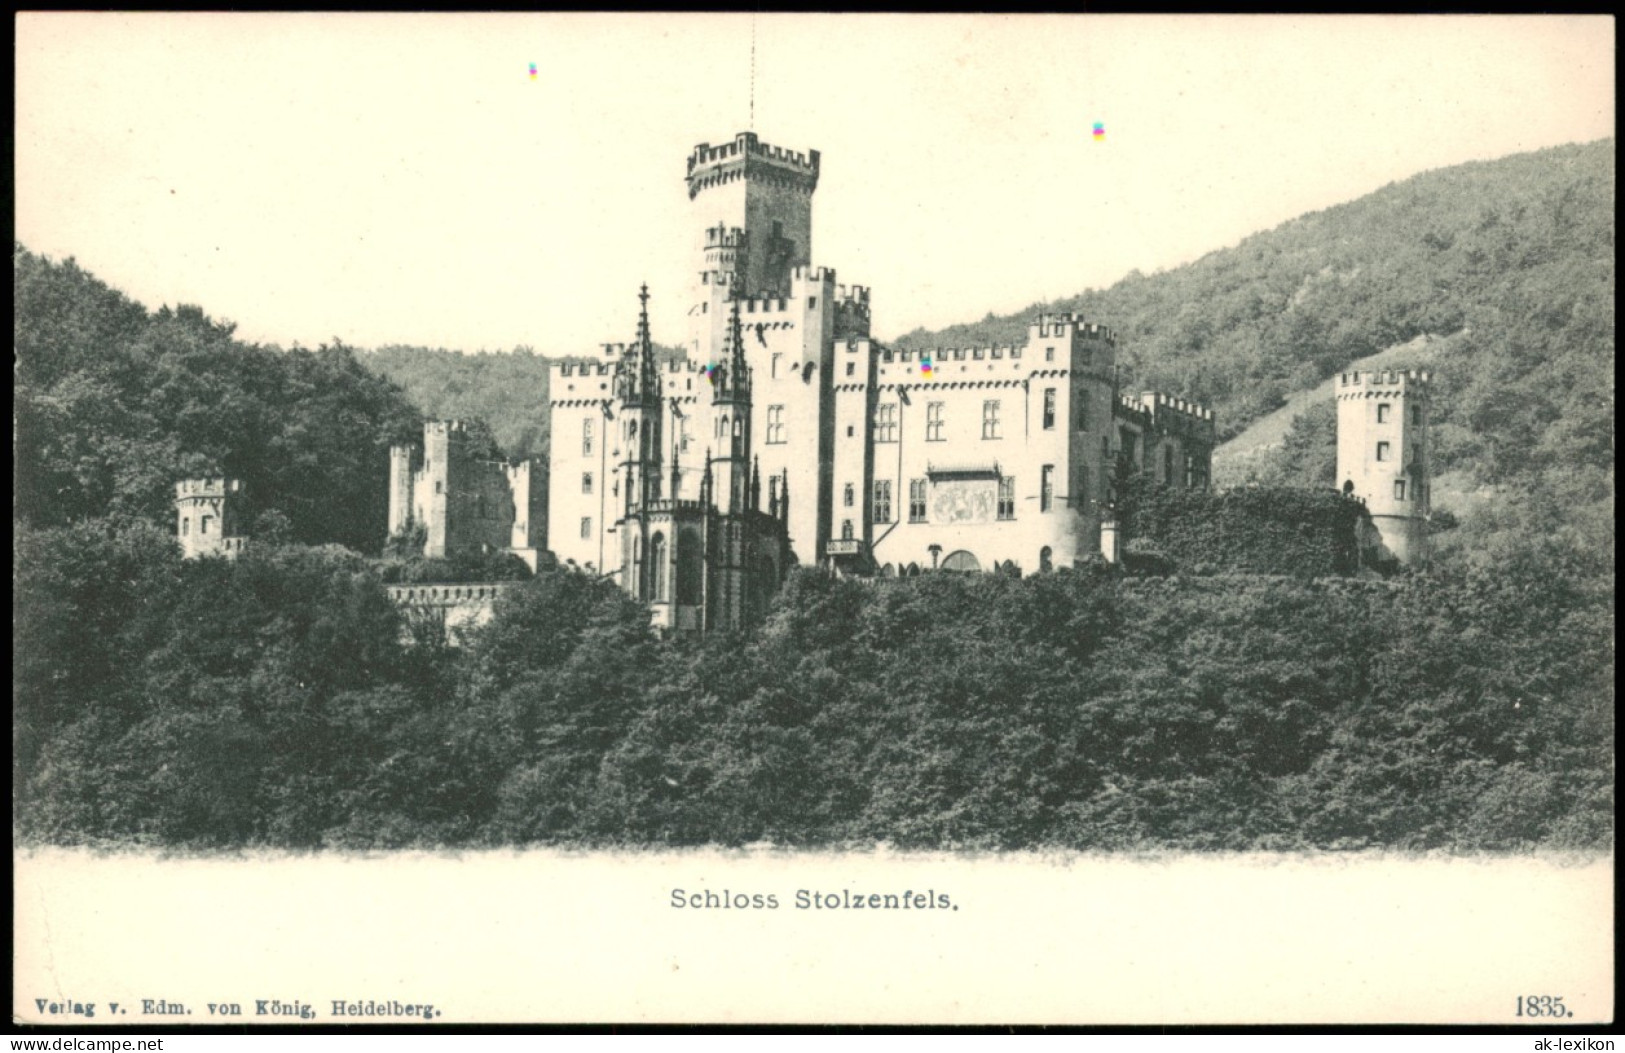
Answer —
(186, 526)
(812, 301)
(1383, 411)
(439, 487)
(1399, 489)
(933, 422)
(846, 530)
(1049, 354)
(1049, 408)
(586, 482)
(682, 435)
(586, 526)
(657, 561)
(847, 496)
(990, 419)
(851, 369)
(1045, 560)
(1416, 414)
(1046, 491)
(881, 509)
(851, 431)
(632, 428)
(775, 425)
(1168, 463)
(1080, 495)
(1007, 498)
(774, 373)
(1083, 411)
(1416, 455)
(586, 437)
(1385, 451)
(690, 570)
(637, 568)
(916, 500)
(886, 422)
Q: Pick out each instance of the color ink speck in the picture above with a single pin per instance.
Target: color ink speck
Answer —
(533, 77)
(1100, 131)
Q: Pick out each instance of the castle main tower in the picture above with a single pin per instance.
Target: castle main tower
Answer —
(1383, 457)
(209, 517)
(753, 204)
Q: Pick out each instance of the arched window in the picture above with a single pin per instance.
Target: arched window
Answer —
(186, 526)
(1348, 487)
(1168, 464)
(1046, 558)
(637, 568)
(657, 560)
(962, 561)
(690, 570)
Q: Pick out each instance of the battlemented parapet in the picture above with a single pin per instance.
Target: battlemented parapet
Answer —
(710, 166)
(209, 517)
(445, 612)
(1383, 454)
(1170, 413)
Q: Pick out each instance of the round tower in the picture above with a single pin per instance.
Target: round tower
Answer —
(1383, 457)
(209, 517)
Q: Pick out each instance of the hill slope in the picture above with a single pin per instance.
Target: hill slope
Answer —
(1503, 269)
(115, 403)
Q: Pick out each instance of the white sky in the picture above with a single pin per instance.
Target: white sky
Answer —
(402, 178)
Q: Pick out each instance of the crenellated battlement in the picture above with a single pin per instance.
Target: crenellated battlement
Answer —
(450, 429)
(955, 364)
(746, 146)
(1359, 382)
(856, 294)
(1066, 325)
(584, 369)
(208, 487)
(810, 275)
(723, 237)
(1155, 404)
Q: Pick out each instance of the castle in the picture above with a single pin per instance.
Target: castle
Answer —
(900, 461)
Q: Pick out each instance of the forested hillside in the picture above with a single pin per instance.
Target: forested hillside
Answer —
(271, 701)
(114, 404)
(507, 390)
(1509, 263)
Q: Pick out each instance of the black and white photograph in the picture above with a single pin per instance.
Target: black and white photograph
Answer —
(813, 519)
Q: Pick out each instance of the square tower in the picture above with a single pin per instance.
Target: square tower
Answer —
(753, 207)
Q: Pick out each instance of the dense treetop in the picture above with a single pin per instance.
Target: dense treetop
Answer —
(114, 404)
